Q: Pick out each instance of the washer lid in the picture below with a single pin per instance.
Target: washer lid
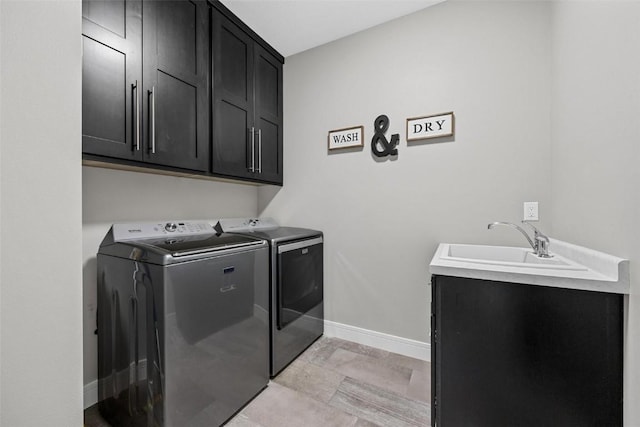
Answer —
(178, 246)
(171, 242)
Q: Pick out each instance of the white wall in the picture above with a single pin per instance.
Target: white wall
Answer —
(1, 135)
(546, 97)
(40, 185)
(595, 150)
(110, 196)
(488, 62)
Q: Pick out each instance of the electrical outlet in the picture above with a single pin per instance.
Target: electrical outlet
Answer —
(530, 211)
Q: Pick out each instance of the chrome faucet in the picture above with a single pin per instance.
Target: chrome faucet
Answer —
(540, 242)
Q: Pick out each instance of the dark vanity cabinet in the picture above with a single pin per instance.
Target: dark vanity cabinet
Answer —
(182, 86)
(506, 354)
(247, 104)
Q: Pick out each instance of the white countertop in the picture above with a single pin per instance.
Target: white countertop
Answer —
(587, 269)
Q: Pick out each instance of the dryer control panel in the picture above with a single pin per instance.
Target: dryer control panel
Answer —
(239, 225)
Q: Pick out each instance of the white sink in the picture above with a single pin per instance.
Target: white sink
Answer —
(571, 266)
(508, 256)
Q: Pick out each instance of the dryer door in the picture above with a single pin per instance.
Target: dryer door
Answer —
(300, 279)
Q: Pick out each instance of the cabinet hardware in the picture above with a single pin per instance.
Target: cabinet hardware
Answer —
(152, 94)
(137, 106)
(259, 151)
(253, 150)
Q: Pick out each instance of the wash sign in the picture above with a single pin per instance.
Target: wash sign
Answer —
(346, 138)
(419, 128)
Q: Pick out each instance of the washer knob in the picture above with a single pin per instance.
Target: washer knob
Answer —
(171, 226)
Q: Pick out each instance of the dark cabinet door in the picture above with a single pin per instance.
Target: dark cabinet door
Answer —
(176, 83)
(247, 103)
(111, 78)
(234, 135)
(268, 115)
(507, 354)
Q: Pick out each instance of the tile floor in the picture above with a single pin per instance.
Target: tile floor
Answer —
(337, 383)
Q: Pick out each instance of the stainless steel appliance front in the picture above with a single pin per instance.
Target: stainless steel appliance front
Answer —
(299, 281)
(182, 328)
(296, 285)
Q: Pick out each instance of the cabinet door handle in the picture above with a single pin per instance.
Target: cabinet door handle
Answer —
(152, 95)
(259, 151)
(252, 168)
(137, 107)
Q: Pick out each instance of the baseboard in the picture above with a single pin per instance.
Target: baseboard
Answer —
(407, 347)
(90, 394)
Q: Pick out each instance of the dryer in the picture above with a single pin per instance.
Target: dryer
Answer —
(296, 308)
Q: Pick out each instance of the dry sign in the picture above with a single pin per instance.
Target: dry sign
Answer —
(346, 138)
(430, 127)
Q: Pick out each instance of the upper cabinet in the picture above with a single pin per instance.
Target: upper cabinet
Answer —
(268, 114)
(176, 83)
(112, 78)
(180, 86)
(145, 95)
(247, 104)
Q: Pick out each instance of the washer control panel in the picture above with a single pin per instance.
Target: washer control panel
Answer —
(158, 229)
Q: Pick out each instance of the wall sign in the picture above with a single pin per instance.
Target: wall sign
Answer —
(379, 144)
(430, 127)
(346, 138)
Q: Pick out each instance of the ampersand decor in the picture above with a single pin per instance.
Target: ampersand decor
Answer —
(379, 144)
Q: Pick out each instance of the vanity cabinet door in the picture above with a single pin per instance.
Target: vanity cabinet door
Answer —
(112, 78)
(514, 354)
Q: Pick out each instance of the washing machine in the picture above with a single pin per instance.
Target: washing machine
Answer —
(183, 324)
(296, 286)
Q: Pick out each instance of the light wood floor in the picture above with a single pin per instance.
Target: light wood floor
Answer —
(337, 383)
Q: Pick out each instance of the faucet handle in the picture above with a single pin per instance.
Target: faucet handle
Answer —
(541, 241)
